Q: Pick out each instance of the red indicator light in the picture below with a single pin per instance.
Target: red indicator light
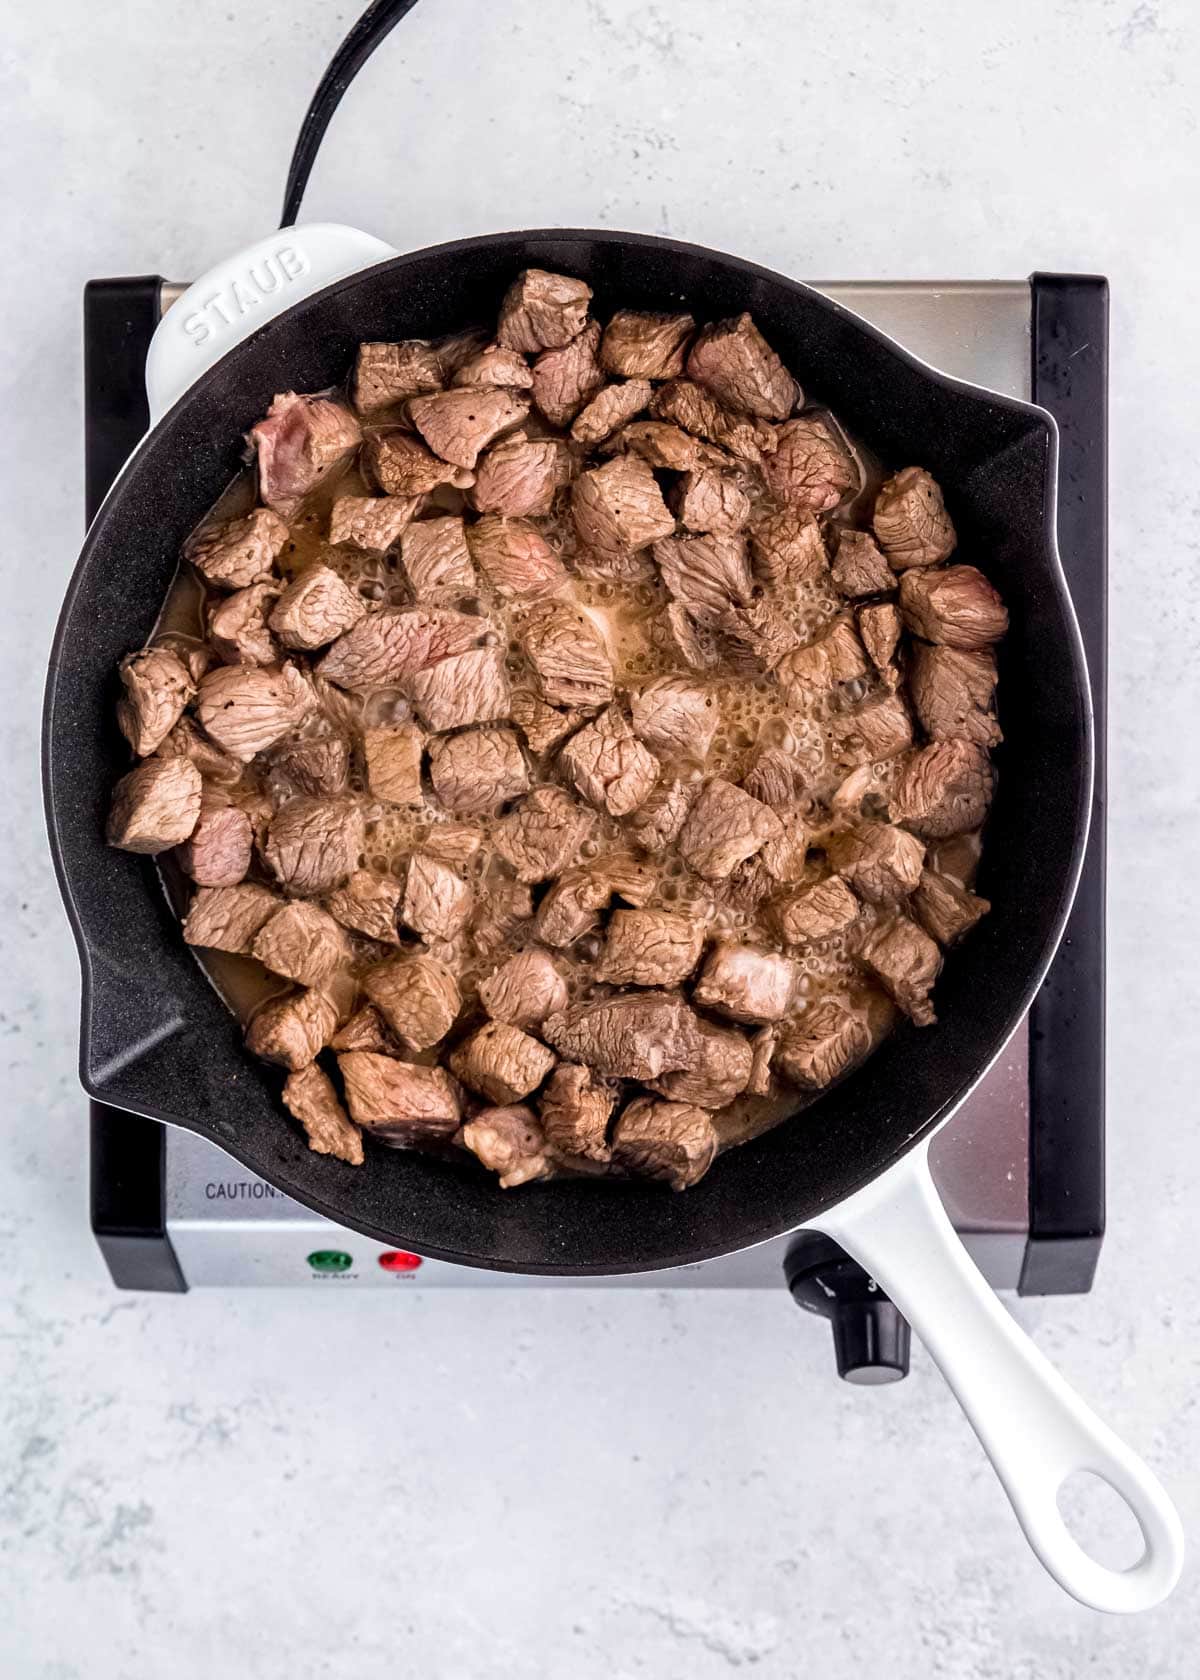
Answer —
(396, 1260)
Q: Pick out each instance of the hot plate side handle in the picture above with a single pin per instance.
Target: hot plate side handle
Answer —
(237, 296)
(1035, 1429)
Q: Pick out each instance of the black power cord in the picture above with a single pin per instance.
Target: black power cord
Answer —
(379, 19)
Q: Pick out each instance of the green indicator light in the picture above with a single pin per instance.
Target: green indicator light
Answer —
(329, 1260)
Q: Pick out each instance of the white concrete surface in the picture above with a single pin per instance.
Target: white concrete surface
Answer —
(663, 1486)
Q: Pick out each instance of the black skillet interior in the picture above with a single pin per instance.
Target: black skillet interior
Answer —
(158, 1041)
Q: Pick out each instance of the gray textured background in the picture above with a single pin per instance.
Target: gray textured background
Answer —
(658, 1485)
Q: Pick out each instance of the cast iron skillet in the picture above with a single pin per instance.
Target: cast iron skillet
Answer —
(158, 1041)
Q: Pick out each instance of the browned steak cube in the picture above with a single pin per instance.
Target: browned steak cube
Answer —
(955, 606)
(238, 552)
(300, 443)
(366, 1030)
(290, 1030)
(155, 806)
(641, 344)
(911, 521)
(569, 909)
(509, 1141)
(836, 657)
(309, 1095)
(501, 918)
(827, 1041)
(735, 362)
(859, 568)
(954, 690)
(679, 634)
(619, 507)
(237, 625)
(400, 1103)
(776, 775)
(515, 558)
(388, 647)
(879, 628)
(459, 425)
(218, 852)
(657, 822)
(724, 828)
(689, 406)
(762, 1050)
(385, 374)
(400, 465)
(195, 655)
(811, 468)
(575, 1110)
(437, 560)
(674, 716)
(519, 477)
(315, 608)
(502, 1063)
(571, 664)
(877, 730)
(608, 410)
(756, 637)
(708, 500)
(467, 688)
(674, 1141)
(609, 765)
(158, 685)
(788, 548)
(494, 365)
(716, 1067)
(944, 789)
(907, 962)
(303, 943)
(543, 835)
(542, 311)
(246, 710)
(372, 524)
(314, 844)
(944, 909)
(318, 764)
(649, 948)
(437, 901)
(369, 903)
(393, 756)
(418, 997)
(661, 444)
(707, 575)
(634, 1035)
(478, 771)
(814, 913)
(564, 379)
(524, 990)
(228, 918)
(543, 726)
(746, 984)
(455, 843)
(882, 863)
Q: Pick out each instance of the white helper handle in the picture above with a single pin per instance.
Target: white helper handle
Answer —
(236, 297)
(1033, 1427)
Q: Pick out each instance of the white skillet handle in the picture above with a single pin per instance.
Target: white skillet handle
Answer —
(1033, 1427)
(236, 297)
